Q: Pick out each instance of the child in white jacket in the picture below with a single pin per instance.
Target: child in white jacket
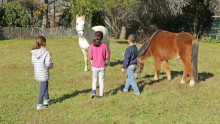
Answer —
(41, 60)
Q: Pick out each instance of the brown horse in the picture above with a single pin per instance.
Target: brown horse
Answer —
(164, 46)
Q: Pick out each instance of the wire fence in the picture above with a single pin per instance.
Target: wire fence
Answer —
(33, 32)
(59, 32)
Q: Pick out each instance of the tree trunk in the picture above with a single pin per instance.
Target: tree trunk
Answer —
(45, 16)
(123, 33)
(195, 24)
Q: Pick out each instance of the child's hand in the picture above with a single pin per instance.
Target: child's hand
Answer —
(123, 54)
(122, 71)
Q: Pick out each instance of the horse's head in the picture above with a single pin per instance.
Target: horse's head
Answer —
(80, 25)
(140, 66)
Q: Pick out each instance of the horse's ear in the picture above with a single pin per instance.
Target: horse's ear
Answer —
(77, 16)
(83, 17)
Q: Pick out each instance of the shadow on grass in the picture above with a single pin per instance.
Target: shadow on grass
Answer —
(202, 76)
(176, 73)
(142, 83)
(119, 62)
(68, 96)
(122, 42)
(115, 91)
(205, 75)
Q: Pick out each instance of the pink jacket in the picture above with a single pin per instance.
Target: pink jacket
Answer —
(98, 55)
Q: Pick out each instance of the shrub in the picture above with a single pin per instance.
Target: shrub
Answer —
(209, 40)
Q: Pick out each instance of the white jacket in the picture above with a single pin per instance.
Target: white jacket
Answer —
(41, 60)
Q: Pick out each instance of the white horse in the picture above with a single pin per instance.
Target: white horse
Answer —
(86, 34)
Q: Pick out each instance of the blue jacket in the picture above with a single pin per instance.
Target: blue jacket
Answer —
(131, 55)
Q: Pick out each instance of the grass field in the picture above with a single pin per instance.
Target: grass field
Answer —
(160, 102)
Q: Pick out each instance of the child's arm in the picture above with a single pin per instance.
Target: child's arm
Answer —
(90, 53)
(48, 62)
(107, 53)
(32, 60)
(126, 59)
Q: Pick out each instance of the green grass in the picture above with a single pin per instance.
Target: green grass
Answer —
(160, 102)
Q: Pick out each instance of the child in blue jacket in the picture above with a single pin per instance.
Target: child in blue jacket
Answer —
(130, 62)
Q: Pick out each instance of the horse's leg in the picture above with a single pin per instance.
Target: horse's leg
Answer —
(188, 69)
(191, 74)
(184, 74)
(167, 69)
(85, 53)
(157, 68)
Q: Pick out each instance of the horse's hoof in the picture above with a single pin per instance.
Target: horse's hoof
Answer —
(86, 70)
(156, 78)
(135, 76)
(182, 81)
(191, 83)
(169, 78)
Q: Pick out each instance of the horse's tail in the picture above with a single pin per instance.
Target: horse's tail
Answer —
(107, 34)
(195, 50)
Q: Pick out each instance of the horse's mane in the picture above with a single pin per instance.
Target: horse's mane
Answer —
(145, 46)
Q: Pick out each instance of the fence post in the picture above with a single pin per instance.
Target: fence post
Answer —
(20, 32)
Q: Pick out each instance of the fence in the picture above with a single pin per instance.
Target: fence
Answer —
(33, 32)
(215, 28)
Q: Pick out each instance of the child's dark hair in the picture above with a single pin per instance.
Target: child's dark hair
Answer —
(39, 43)
(99, 34)
(131, 38)
(97, 38)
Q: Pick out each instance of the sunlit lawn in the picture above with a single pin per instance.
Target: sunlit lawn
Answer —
(160, 102)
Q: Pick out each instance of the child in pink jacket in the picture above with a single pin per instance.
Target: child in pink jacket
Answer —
(98, 53)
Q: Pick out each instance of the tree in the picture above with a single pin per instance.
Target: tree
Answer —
(112, 10)
(66, 18)
(45, 13)
(16, 15)
(2, 15)
(143, 17)
(195, 16)
(214, 6)
(118, 15)
(84, 7)
(31, 6)
(151, 15)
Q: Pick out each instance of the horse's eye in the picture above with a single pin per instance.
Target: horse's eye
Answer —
(76, 23)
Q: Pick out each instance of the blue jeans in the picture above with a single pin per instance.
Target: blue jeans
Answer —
(131, 79)
(43, 92)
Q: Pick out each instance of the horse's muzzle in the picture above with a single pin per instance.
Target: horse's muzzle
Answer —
(136, 75)
(80, 34)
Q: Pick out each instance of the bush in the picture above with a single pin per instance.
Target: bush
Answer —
(209, 40)
(16, 15)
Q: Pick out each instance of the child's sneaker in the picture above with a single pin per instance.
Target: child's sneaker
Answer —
(41, 106)
(138, 93)
(92, 96)
(48, 101)
(125, 91)
(100, 97)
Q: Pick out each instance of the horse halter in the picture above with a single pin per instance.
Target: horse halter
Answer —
(80, 33)
(80, 30)
(139, 69)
